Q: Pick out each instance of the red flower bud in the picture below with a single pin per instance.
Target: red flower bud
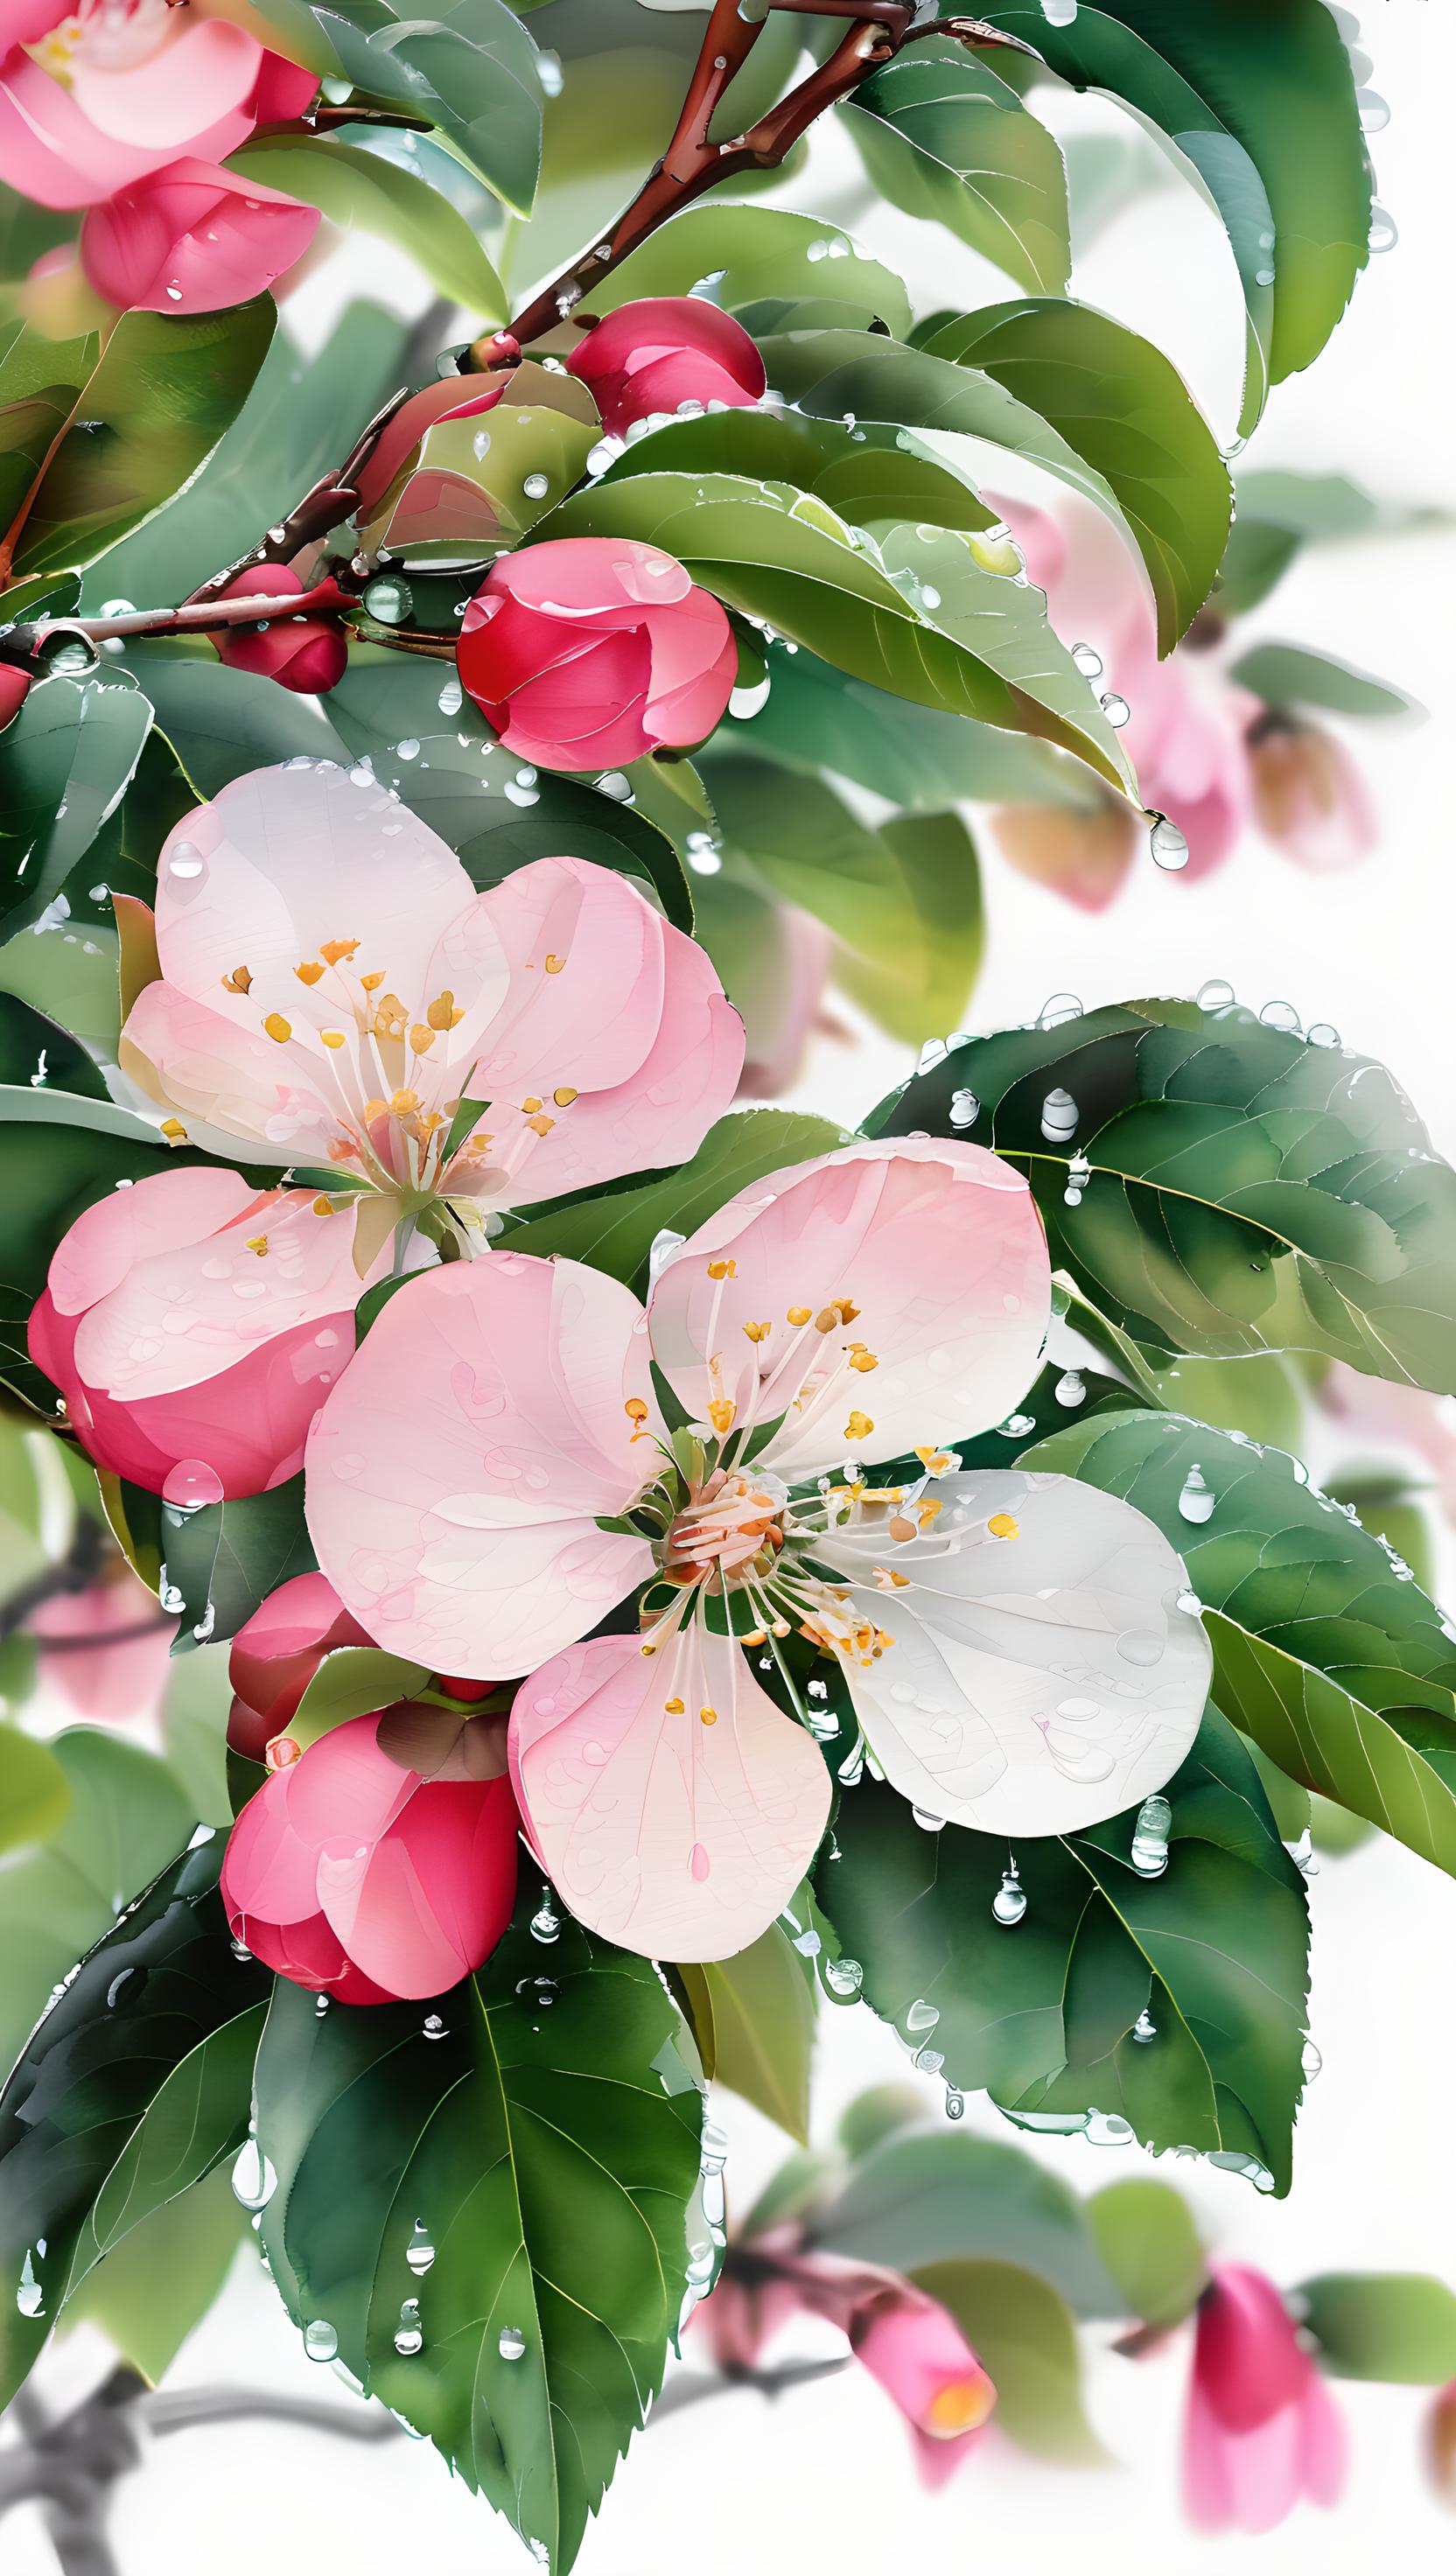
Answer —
(305, 653)
(13, 687)
(663, 351)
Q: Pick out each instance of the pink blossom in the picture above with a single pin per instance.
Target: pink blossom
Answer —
(1310, 799)
(193, 1322)
(305, 652)
(191, 238)
(663, 351)
(357, 1875)
(96, 97)
(333, 986)
(104, 1651)
(276, 1654)
(587, 652)
(1261, 2429)
(469, 1491)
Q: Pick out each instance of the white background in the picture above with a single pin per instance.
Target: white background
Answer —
(825, 2477)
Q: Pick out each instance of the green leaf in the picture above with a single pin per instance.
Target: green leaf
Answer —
(1290, 675)
(874, 477)
(222, 723)
(926, 2197)
(1025, 2334)
(1260, 102)
(1146, 2237)
(365, 192)
(943, 137)
(299, 419)
(879, 2113)
(39, 1053)
(546, 2142)
(132, 2088)
(815, 717)
(756, 252)
(1381, 2325)
(160, 2282)
(194, 1729)
(982, 648)
(903, 900)
(140, 417)
(1070, 390)
(753, 2018)
(408, 715)
(35, 1794)
(1041, 2016)
(1281, 511)
(221, 1561)
(354, 1681)
(615, 1231)
(475, 491)
(1325, 1652)
(65, 760)
(1247, 1190)
(470, 67)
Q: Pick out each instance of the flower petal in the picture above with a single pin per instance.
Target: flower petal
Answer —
(193, 87)
(1037, 1680)
(432, 1897)
(938, 1250)
(199, 1061)
(678, 1837)
(456, 1473)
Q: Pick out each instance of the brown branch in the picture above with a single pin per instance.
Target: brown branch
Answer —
(204, 617)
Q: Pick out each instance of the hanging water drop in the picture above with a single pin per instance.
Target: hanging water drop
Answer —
(30, 2296)
(1169, 846)
(434, 2027)
(546, 1922)
(512, 2343)
(1079, 1173)
(408, 2334)
(1009, 1902)
(1108, 2129)
(320, 2341)
(955, 2103)
(1059, 1116)
(1059, 13)
(420, 2251)
(1071, 1388)
(1116, 710)
(1144, 2028)
(254, 2180)
(1374, 111)
(932, 1053)
(965, 1109)
(844, 1976)
(1196, 1502)
(1383, 234)
(928, 1823)
(1149, 1854)
(1088, 661)
(389, 600)
(1215, 995)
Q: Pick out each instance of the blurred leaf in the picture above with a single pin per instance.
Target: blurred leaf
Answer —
(544, 2129)
(1290, 675)
(132, 2088)
(615, 1231)
(753, 2017)
(65, 761)
(1329, 1656)
(194, 1729)
(1381, 2325)
(977, 644)
(878, 2114)
(1107, 174)
(750, 252)
(136, 420)
(1247, 1190)
(1146, 2237)
(159, 2284)
(1042, 2016)
(1261, 103)
(1025, 2335)
(922, 2197)
(943, 137)
(68, 974)
(35, 1794)
(1281, 511)
(364, 192)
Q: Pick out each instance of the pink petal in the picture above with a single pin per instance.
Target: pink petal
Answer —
(920, 2357)
(277, 1652)
(694, 665)
(456, 1474)
(191, 94)
(940, 1249)
(167, 1212)
(202, 1063)
(49, 148)
(675, 1837)
(608, 580)
(436, 1891)
(120, 1675)
(586, 713)
(663, 350)
(283, 90)
(192, 239)
(1310, 798)
(1247, 2356)
(587, 1018)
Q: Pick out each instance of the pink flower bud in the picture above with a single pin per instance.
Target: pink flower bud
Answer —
(1261, 2430)
(587, 652)
(14, 686)
(1309, 797)
(356, 1876)
(275, 1656)
(104, 1652)
(306, 653)
(917, 2352)
(663, 351)
(191, 238)
(398, 443)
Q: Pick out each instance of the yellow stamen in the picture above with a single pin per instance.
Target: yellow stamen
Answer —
(257, 1243)
(799, 1314)
(901, 1528)
(239, 981)
(1004, 1525)
(174, 1131)
(371, 983)
(402, 1102)
(858, 1427)
(927, 1513)
(332, 1037)
(530, 1104)
(721, 1412)
(421, 1038)
(441, 1013)
(863, 1359)
(375, 1109)
(634, 1409)
(334, 951)
(554, 965)
(278, 1028)
(672, 1707)
(722, 1270)
(323, 1206)
(888, 1580)
(757, 1332)
(755, 1637)
(541, 1126)
(709, 1716)
(827, 1319)
(564, 1097)
(309, 972)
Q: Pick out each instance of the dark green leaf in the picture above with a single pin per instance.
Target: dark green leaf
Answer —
(1024, 2332)
(753, 2018)
(1325, 1650)
(942, 136)
(38, 1053)
(1259, 98)
(919, 615)
(65, 760)
(365, 192)
(1247, 1190)
(222, 1561)
(222, 723)
(923, 2197)
(874, 477)
(751, 252)
(541, 2132)
(615, 1231)
(1290, 675)
(141, 416)
(134, 2085)
(1042, 2015)
(1381, 2325)
(1147, 2239)
(470, 67)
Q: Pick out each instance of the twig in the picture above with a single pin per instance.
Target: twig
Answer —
(690, 2387)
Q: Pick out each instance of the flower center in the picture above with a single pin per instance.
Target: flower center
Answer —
(729, 1532)
(104, 36)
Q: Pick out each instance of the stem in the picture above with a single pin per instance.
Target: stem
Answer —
(204, 617)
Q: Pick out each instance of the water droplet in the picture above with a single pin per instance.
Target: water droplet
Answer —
(1169, 846)
(1116, 710)
(1079, 1173)
(1071, 1388)
(1311, 2061)
(30, 2295)
(1279, 1015)
(512, 2343)
(254, 2180)
(1374, 111)
(1088, 661)
(965, 1109)
(1009, 1902)
(389, 599)
(185, 861)
(922, 2015)
(1322, 1035)
(408, 2334)
(1302, 1855)
(191, 1485)
(320, 2007)
(703, 854)
(1059, 1115)
(1144, 2028)
(933, 1052)
(536, 486)
(928, 1823)
(1016, 1426)
(1215, 995)
(1059, 13)
(320, 2342)
(844, 1976)
(545, 1922)
(747, 701)
(434, 2027)
(955, 2103)
(409, 749)
(420, 2252)
(1149, 1854)
(1195, 1502)
(1108, 2129)
(451, 697)
(1383, 234)
(1057, 1009)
